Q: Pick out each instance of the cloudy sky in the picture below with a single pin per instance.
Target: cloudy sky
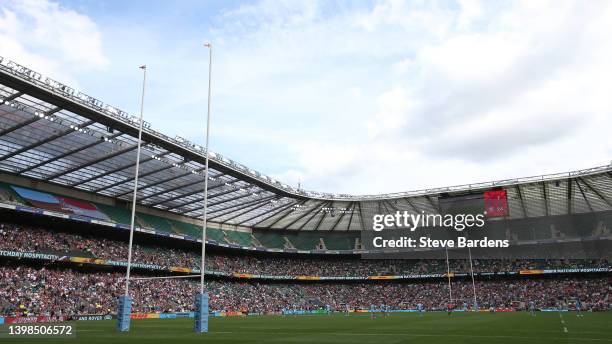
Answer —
(352, 97)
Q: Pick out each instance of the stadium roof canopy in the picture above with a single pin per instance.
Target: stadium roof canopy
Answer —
(52, 133)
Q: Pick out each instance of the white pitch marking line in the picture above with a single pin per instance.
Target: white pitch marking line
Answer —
(563, 323)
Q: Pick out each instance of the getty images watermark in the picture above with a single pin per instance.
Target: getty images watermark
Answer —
(413, 222)
(458, 222)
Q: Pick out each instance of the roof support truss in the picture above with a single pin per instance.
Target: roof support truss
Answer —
(545, 196)
(250, 205)
(233, 206)
(569, 195)
(26, 122)
(348, 227)
(331, 204)
(159, 182)
(171, 190)
(273, 210)
(520, 195)
(361, 217)
(416, 210)
(304, 214)
(433, 206)
(585, 197)
(91, 163)
(314, 212)
(351, 205)
(42, 142)
(281, 217)
(129, 179)
(210, 197)
(12, 96)
(115, 170)
(63, 155)
(595, 191)
(190, 193)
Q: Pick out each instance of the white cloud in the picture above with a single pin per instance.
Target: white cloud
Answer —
(50, 39)
(471, 11)
(479, 93)
(394, 109)
(364, 99)
(355, 92)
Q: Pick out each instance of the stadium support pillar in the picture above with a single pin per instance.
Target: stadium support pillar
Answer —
(201, 313)
(124, 311)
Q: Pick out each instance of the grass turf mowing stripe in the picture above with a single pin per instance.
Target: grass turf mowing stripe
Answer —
(434, 328)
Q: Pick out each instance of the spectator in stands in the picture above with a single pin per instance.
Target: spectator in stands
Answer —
(44, 291)
(27, 239)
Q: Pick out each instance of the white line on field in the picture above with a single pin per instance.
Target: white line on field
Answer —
(563, 323)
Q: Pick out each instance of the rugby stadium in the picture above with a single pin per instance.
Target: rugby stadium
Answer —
(283, 264)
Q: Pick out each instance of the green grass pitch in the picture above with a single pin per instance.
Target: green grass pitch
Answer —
(358, 328)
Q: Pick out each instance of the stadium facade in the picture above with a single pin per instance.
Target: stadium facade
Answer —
(68, 142)
(66, 176)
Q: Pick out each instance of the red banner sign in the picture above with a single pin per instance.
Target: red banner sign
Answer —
(496, 203)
